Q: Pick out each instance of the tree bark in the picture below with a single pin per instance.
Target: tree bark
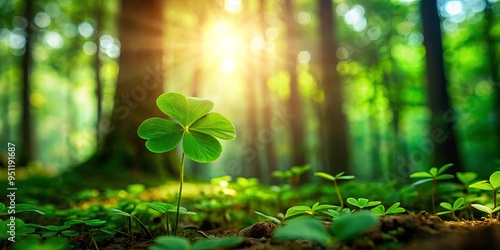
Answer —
(140, 82)
(294, 101)
(442, 115)
(336, 147)
(27, 153)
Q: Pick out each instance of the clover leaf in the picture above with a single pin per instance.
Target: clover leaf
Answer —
(192, 123)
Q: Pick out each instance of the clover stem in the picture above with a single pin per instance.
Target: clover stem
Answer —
(338, 194)
(433, 199)
(180, 194)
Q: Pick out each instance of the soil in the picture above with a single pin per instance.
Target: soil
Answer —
(411, 232)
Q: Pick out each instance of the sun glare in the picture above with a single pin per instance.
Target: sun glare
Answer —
(223, 45)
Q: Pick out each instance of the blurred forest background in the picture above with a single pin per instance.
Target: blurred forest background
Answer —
(376, 88)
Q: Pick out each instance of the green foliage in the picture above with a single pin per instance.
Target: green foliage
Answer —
(304, 229)
(349, 226)
(166, 209)
(193, 124)
(177, 243)
(433, 175)
(269, 218)
(394, 209)
(459, 204)
(129, 216)
(292, 175)
(362, 202)
(337, 213)
(20, 208)
(334, 178)
(306, 211)
(493, 185)
(486, 209)
(466, 178)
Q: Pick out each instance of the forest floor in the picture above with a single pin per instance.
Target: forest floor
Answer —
(62, 202)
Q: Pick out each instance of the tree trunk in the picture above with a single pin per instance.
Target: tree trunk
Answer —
(98, 13)
(335, 134)
(140, 82)
(493, 61)
(27, 153)
(270, 135)
(442, 134)
(294, 101)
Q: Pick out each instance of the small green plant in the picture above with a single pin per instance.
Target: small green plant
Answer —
(194, 125)
(292, 176)
(492, 185)
(394, 209)
(94, 227)
(178, 243)
(433, 175)
(486, 209)
(269, 218)
(335, 178)
(362, 202)
(130, 217)
(337, 213)
(459, 204)
(306, 211)
(167, 209)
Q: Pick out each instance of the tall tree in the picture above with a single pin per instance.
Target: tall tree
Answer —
(335, 152)
(442, 115)
(270, 152)
(27, 135)
(294, 101)
(98, 14)
(139, 83)
(491, 43)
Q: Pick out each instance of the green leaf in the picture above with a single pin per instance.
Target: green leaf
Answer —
(482, 208)
(268, 217)
(444, 212)
(94, 222)
(161, 207)
(57, 228)
(49, 234)
(27, 208)
(297, 210)
(458, 203)
(118, 212)
(446, 206)
(2, 206)
(433, 171)
(395, 209)
(467, 177)
(495, 179)
(323, 207)
(201, 147)
(346, 177)
(171, 243)
(483, 185)
(372, 203)
(378, 210)
(217, 243)
(444, 168)
(353, 201)
(304, 229)
(73, 222)
(421, 182)
(348, 227)
(215, 125)
(421, 175)
(325, 176)
(70, 233)
(162, 135)
(184, 110)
